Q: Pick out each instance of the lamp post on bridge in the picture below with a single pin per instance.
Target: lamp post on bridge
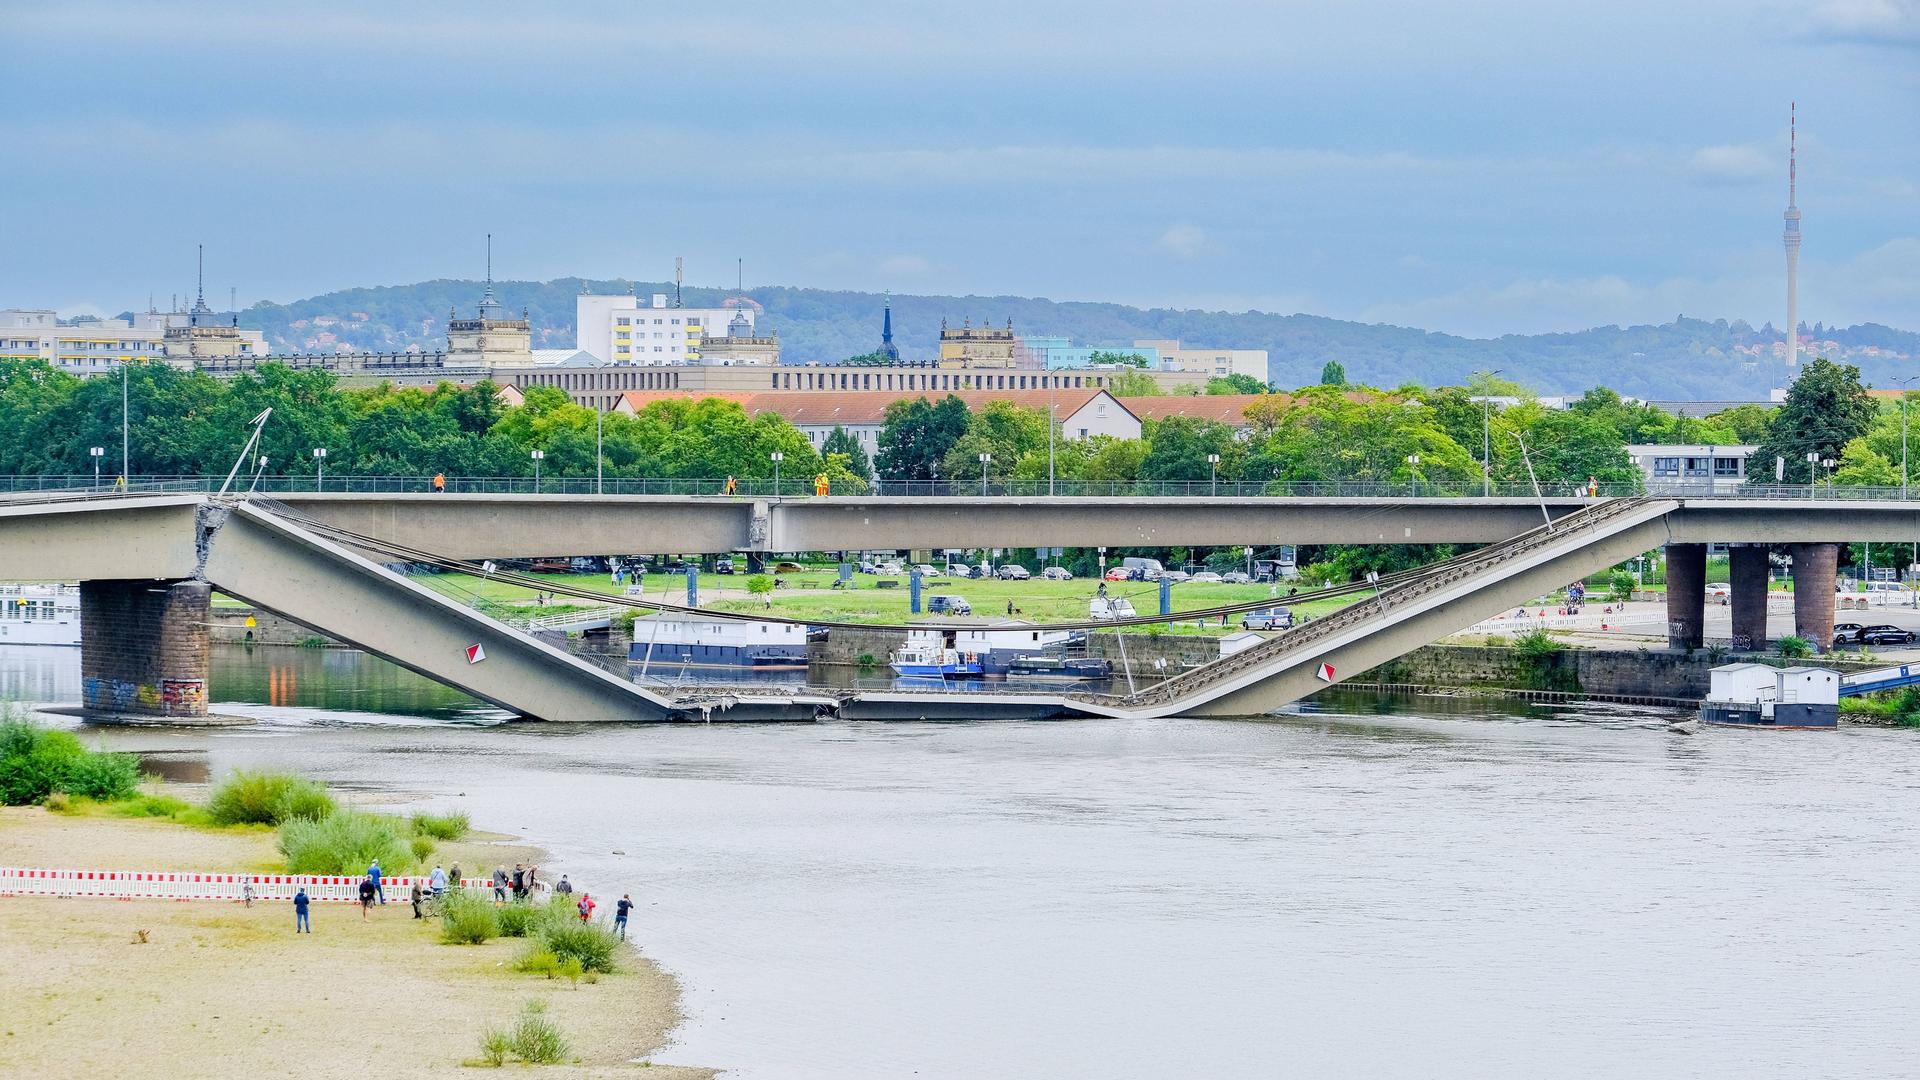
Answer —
(1906, 388)
(776, 457)
(1413, 469)
(538, 456)
(96, 453)
(985, 460)
(1486, 435)
(320, 465)
(1214, 461)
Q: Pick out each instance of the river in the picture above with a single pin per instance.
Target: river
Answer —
(1364, 887)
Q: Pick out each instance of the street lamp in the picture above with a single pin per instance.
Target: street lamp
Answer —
(985, 460)
(1214, 460)
(258, 471)
(1413, 466)
(1906, 385)
(777, 457)
(1486, 435)
(96, 453)
(538, 456)
(320, 464)
(599, 458)
(1829, 463)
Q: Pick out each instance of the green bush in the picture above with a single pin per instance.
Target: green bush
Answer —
(442, 826)
(536, 1040)
(594, 946)
(1794, 648)
(421, 846)
(1535, 644)
(466, 918)
(36, 762)
(268, 798)
(516, 919)
(61, 803)
(344, 842)
(537, 959)
(165, 806)
(495, 1045)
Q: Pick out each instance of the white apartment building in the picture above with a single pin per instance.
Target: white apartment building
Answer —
(98, 346)
(1702, 470)
(1216, 363)
(618, 330)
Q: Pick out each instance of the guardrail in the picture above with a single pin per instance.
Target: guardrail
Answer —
(179, 885)
(83, 486)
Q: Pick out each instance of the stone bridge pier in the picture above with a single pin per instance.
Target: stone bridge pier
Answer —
(1747, 574)
(1815, 570)
(144, 648)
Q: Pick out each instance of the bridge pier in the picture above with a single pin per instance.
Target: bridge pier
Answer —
(1747, 564)
(1686, 596)
(144, 647)
(1815, 566)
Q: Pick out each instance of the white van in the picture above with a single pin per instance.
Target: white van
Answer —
(1118, 607)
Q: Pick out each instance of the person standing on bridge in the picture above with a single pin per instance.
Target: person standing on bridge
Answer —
(733, 486)
(820, 484)
(439, 483)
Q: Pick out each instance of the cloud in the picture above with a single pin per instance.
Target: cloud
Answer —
(1872, 22)
(1730, 164)
(1185, 242)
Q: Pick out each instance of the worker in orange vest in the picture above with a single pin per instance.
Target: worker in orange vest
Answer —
(820, 484)
(733, 486)
(440, 483)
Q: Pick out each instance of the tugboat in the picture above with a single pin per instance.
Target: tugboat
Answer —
(919, 661)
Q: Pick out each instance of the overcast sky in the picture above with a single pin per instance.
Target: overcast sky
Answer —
(1504, 167)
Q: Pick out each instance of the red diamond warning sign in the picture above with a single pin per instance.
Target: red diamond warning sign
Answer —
(1325, 672)
(477, 652)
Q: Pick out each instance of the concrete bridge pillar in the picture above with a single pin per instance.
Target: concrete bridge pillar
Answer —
(1686, 595)
(144, 647)
(1748, 563)
(1815, 566)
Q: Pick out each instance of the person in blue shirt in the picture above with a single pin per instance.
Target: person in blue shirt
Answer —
(300, 924)
(373, 875)
(620, 914)
(439, 882)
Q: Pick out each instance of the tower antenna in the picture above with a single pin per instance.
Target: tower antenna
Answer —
(1793, 152)
(740, 275)
(1792, 235)
(677, 300)
(489, 262)
(200, 290)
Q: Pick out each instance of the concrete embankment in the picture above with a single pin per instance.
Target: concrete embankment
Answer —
(1635, 674)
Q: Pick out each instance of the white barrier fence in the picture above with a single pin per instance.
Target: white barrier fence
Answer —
(144, 885)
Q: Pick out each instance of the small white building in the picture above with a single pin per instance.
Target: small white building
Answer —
(1240, 642)
(1674, 469)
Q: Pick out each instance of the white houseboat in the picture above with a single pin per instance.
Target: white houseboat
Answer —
(720, 643)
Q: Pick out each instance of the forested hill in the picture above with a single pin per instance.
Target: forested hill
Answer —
(1686, 358)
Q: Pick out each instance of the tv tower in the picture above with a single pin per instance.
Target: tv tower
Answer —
(1792, 238)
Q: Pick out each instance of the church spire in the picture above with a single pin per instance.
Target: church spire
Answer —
(887, 348)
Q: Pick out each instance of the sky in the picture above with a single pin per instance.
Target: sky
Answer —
(1479, 168)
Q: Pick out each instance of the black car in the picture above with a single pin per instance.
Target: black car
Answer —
(1885, 634)
(1846, 633)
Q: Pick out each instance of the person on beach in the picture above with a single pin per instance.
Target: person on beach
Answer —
(585, 907)
(453, 876)
(499, 884)
(565, 886)
(439, 882)
(414, 895)
(532, 880)
(519, 882)
(367, 891)
(373, 875)
(620, 914)
(300, 923)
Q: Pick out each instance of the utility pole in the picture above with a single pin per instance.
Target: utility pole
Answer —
(1906, 388)
(1486, 435)
(599, 458)
(125, 477)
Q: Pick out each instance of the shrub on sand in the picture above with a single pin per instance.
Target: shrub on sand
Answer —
(591, 944)
(422, 846)
(536, 1040)
(343, 842)
(516, 919)
(537, 959)
(442, 826)
(267, 798)
(466, 918)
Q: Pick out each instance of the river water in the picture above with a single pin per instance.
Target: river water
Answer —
(1363, 888)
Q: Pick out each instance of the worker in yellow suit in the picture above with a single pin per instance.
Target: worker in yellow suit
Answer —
(820, 484)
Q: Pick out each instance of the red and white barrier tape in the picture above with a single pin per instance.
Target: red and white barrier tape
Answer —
(160, 885)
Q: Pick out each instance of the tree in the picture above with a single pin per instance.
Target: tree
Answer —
(1826, 409)
(1748, 423)
(1235, 384)
(1002, 429)
(1333, 373)
(1180, 446)
(1132, 384)
(841, 441)
(1322, 434)
(1098, 357)
(917, 436)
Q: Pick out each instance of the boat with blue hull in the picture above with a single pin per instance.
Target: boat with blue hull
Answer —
(924, 661)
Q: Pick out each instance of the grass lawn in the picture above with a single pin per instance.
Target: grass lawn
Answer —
(809, 595)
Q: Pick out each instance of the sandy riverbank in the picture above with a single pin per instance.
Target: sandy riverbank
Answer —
(220, 990)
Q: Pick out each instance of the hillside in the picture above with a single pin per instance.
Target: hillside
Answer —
(1686, 358)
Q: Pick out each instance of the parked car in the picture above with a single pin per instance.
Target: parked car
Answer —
(926, 570)
(1119, 573)
(1720, 592)
(1142, 566)
(1013, 571)
(1885, 634)
(1235, 577)
(723, 565)
(1175, 575)
(1846, 633)
(787, 568)
(943, 604)
(1278, 618)
(1057, 573)
(1116, 607)
(1207, 577)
